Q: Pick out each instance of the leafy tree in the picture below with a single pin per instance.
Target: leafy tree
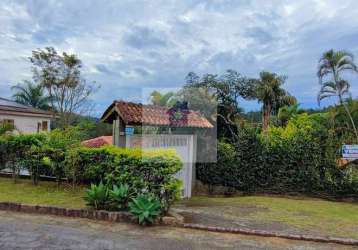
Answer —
(253, 117)
(332, 64)
(165, 100)
(269, 91)
(224, 91)
(91, 127)
(31, 94)
(200, 99)
(60, 75)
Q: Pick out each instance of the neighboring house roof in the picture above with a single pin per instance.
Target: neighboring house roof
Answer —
(151, 115)
(343, 163)
(98, 142)
(8, 107)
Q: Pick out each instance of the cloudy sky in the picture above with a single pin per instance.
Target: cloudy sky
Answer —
(127, 46)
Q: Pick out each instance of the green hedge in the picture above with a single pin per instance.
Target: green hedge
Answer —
(145, 171)
(300, 157)
(20, 151)
(60, 155)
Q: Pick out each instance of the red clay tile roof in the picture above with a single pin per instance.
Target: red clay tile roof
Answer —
(139, 114)
(98, 142)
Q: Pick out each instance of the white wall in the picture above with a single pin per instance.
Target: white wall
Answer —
(185, 146)
(26, 124)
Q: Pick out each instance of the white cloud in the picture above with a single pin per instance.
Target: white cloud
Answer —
(127, 45)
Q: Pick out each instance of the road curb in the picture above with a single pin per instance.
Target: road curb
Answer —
(121, 216)
(336, 240)
(174, 219)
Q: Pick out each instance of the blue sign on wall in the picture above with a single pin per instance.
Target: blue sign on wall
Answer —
(350, 152)
(129, 131)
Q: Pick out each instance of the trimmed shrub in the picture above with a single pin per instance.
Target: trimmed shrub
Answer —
(145, 171)
(21, 151)
(300, 157)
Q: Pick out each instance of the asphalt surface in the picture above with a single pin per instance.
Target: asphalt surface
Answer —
(25, 231)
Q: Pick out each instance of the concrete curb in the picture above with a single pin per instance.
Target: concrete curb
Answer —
(174, 219)
(336, 240)
(84, 213)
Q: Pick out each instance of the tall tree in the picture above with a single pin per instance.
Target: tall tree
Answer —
(223, 92)
(331, 65)
(165, 100)
(269, 91)
(60, 75)
(31, 94)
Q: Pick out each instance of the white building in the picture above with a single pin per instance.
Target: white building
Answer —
(25, 119)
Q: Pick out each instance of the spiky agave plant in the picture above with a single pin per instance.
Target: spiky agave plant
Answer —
(97, 196)
(119, 196)
(145, 208)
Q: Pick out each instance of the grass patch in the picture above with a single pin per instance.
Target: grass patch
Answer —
(314, 215)
(45, 193)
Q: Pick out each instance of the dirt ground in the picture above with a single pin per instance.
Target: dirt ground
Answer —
(25, 231)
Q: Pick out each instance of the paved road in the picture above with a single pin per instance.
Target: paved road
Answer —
(24, 231)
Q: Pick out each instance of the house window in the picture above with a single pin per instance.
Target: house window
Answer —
(44, 126)
(38, 127)
(9, 122)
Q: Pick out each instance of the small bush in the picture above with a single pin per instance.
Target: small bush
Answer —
(145, 208)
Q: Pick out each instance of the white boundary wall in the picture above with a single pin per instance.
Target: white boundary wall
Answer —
(185, 145)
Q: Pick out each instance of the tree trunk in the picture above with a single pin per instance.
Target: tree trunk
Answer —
(350, 117)
(266, 117)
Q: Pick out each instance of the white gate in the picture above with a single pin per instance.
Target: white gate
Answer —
(185, 146)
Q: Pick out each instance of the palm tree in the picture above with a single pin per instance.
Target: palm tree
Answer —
(338, 117)
(272, 95)
(31, 94)
(333, 63)
(287, 112)
(164, 100)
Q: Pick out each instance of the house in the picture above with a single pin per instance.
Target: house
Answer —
(128, 114)
(179, 122)
(24, 118)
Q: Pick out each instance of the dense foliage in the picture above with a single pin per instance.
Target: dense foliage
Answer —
(22, 152)
(300, 157)
(119, 177)
(144, 171)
